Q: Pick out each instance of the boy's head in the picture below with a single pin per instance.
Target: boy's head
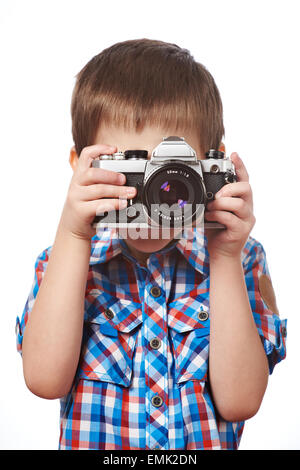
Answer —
(146, 82)
(136, 92)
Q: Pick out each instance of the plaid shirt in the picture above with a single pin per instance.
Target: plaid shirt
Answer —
(142, 379)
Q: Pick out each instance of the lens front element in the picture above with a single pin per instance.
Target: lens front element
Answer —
(172, 195)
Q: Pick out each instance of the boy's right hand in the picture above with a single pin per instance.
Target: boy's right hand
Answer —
(93, 191)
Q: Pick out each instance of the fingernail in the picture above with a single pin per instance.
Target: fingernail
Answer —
(121, 178)
(218, 195)
(130, 191)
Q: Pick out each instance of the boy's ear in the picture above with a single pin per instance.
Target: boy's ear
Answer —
(73, 158)
(222, 147)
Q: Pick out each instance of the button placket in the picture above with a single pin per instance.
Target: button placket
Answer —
(156, 336)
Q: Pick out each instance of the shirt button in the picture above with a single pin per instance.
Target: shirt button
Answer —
(109, 314)
(157, 401)
(155, 291)
(202, 315)
(155, 343)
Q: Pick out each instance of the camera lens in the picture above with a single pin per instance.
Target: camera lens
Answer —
(172, 194)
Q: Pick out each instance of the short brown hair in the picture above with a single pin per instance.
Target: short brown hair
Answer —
(146, 82)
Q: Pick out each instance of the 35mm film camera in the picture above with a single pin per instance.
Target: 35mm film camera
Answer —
(173, 186)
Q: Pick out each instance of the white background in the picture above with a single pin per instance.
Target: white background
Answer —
(252, 50)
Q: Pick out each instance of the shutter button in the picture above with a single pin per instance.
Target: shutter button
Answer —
(202, 315)
(155, 291)
(155, 343)
(109, 314)
(157, 401)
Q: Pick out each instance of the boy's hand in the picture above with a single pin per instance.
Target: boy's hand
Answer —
(92, 191)
(233, 207)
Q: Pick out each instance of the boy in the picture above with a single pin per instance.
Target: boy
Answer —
(123, 330)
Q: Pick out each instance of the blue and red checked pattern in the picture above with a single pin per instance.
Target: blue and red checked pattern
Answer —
(110, 403)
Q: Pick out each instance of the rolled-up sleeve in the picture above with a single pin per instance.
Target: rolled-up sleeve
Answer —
(271, 328)
(39, 271)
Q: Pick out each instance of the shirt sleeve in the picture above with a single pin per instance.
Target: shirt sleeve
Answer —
(39, 271)
(271, 328)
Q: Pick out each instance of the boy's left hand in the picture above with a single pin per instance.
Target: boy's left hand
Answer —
(233, 207)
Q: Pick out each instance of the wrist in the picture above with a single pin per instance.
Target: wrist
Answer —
(225, 258)
(68, 235)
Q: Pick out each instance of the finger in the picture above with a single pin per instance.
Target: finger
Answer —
(91, 152)
(239, 189)
(98, 191)
(228, 219)
(233, 204)
(94, 208)
(100, 175)
(240, 169)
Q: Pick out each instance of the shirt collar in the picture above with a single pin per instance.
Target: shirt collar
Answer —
(106, 244)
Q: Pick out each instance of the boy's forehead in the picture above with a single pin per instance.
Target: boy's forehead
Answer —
(146, 139)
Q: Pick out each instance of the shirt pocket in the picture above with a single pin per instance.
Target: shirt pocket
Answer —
(189, 329)
(109, 340)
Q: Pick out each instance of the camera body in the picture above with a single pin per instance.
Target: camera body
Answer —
(173, 186)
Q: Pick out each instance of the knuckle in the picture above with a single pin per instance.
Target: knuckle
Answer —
(99, 209)
(111, 176)
(228, 216)
(225, 191)
(100, 176)
(85, 152)
(95, 150)
(89, 174)
(231, 217)
(248, 187)
(104, 174)
(99, 190)
(240, 204)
